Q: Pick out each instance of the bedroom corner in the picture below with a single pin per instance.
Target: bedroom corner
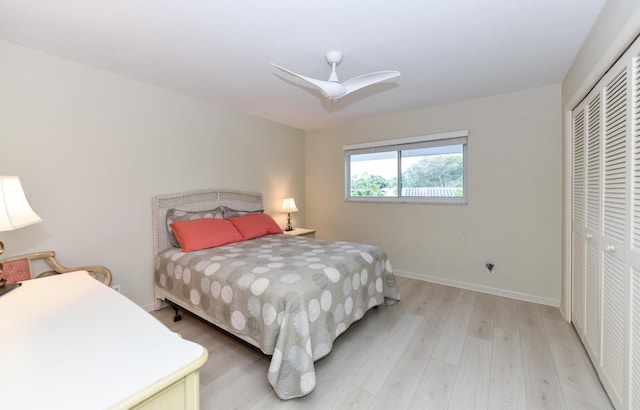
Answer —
(92, 148)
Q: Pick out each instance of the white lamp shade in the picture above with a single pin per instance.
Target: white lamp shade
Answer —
(289, 205)
(15, 211)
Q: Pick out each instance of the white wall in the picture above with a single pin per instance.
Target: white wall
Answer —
(91, 149)
(616, 27)
(514, 215)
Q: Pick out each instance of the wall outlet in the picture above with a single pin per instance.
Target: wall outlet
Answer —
(116, 288)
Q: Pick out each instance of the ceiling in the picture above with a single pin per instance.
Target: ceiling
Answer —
(446, 51)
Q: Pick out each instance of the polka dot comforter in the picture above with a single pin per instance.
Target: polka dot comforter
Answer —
(290, 296)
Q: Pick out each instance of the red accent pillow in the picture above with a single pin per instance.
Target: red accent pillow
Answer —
(255, 225)
(204, 233)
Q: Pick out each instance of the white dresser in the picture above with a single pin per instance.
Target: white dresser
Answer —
(71, 342)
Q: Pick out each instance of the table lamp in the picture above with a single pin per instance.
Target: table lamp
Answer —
(15, 213)
(289, 206)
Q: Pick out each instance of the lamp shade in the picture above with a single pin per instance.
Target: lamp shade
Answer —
(15, 211)
(289, 205)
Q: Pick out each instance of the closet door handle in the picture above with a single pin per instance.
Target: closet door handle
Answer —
(611, 248)
(589, 236)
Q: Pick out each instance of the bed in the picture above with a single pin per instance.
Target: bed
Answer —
(289, 296)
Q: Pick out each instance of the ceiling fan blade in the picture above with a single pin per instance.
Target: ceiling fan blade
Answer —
(317, 83)
(361, 81)
(333, 90)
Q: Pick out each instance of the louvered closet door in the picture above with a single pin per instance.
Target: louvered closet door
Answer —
(593, 264)
(606, 228)
(578, 223)
(615, 223)
(634, 255)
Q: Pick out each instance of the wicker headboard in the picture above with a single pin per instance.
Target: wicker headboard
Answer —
(201, 200)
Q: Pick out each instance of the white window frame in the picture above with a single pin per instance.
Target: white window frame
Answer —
(423, 141)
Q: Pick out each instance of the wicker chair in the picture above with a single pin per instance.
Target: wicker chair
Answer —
(23, 263)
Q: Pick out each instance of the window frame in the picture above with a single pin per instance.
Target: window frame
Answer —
(402, 144)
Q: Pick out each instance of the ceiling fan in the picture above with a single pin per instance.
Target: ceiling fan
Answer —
(333, 88)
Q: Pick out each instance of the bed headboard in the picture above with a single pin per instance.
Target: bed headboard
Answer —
(201, 200)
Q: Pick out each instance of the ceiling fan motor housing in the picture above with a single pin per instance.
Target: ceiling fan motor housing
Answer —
(334, 57)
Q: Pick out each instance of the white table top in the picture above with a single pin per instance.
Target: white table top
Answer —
(71, 342)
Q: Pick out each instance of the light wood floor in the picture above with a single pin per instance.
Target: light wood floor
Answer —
(439, 348)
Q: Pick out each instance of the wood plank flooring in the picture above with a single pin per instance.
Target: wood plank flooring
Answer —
(439, 348)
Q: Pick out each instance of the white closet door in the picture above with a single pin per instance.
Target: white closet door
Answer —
(606, 228)
(615, 223)
(634, 254)
(578, 237)
(593, 232)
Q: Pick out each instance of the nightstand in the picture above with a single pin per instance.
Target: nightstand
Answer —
(309, 233)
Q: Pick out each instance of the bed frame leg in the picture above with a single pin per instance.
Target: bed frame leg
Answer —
(178, 316)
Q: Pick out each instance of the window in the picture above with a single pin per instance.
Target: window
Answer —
(426, 169)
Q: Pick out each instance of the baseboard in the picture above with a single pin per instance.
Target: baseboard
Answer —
(483, 289)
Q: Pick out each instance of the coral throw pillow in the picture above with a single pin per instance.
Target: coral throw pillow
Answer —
(255, 225)
(193, 235)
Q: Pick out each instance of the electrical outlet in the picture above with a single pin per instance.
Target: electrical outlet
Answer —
(116, 288)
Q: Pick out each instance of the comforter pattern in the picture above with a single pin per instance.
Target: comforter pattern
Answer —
(290, 296)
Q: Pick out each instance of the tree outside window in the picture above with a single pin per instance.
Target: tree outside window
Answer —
(426, 172)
